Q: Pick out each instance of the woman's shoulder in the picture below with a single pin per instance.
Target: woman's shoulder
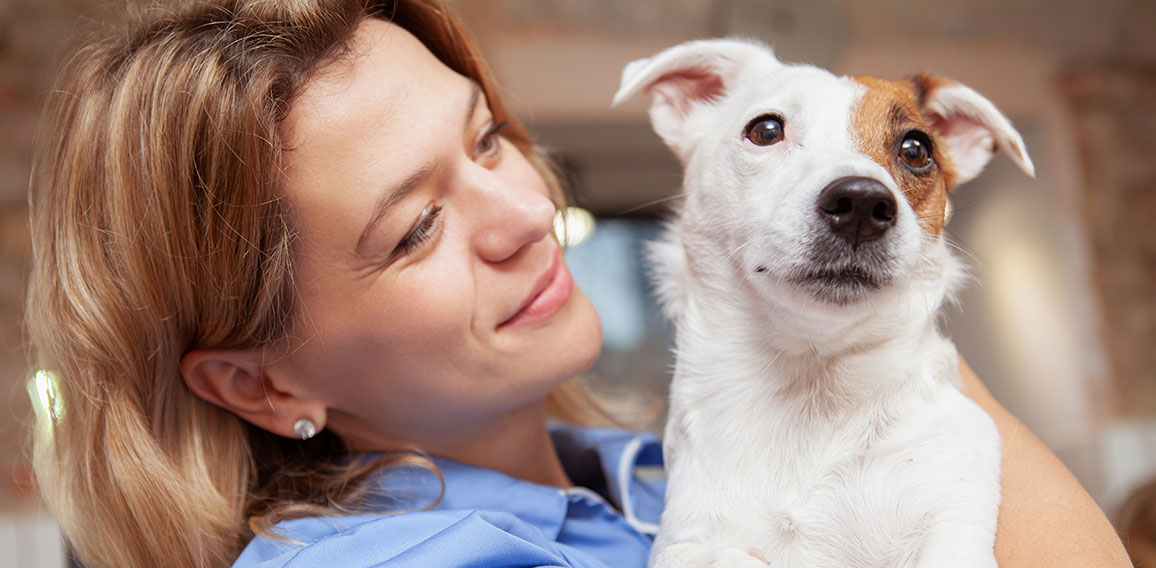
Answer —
(420, 538)
(481, 517)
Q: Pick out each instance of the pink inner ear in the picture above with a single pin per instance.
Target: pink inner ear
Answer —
(968, 143)
(684, 87)
(961, 130)
(951, 126)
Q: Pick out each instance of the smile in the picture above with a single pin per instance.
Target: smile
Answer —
(549, 293)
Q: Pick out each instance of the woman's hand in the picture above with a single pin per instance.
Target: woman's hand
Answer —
(1046, 518)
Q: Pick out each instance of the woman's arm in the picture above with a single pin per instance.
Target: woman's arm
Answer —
(1046, 517)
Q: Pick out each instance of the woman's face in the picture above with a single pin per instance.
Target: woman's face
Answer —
(434, 300)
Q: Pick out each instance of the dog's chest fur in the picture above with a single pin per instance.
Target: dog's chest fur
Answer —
(811, 474)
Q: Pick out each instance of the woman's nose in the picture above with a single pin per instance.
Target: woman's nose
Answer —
(511, 216)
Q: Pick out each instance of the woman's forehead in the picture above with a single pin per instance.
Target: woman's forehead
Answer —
(387, 109)
(386, 77)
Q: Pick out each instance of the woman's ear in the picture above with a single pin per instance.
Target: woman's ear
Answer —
(236, 380)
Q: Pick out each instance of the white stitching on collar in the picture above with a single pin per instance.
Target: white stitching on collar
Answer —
(625, 469)
(584, 492)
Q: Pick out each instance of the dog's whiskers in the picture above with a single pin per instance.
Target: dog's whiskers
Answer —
(957, 244)
(733, 253)
(658, 201)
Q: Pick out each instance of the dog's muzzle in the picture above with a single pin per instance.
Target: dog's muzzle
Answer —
(849, 255)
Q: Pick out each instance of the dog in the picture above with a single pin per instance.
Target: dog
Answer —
(816, 418)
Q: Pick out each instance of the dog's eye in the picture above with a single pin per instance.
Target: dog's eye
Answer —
(764, 130)
(915, 150)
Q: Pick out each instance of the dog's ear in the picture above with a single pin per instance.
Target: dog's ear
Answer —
(684, 77)
(971, 128)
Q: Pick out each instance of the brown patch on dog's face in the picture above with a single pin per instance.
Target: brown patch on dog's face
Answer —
(892, 127)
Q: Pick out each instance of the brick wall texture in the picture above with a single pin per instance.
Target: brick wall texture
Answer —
(31, 37)
(1113, 109)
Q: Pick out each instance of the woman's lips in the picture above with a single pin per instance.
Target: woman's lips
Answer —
(547, 297)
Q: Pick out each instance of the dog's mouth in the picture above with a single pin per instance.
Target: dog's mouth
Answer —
(840, 285)
(844, 276)
(851, 276)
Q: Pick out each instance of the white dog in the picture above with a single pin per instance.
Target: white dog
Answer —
(815, 414)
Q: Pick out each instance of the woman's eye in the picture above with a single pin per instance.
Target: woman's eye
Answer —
(765, 130)
(421, 232)
(490, 143)
(915, 151)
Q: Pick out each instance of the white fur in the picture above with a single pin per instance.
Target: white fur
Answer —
(819, 433)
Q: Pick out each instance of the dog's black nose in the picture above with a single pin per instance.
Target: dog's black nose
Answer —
(858, 209)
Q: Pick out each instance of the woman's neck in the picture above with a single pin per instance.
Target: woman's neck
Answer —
(518, 445)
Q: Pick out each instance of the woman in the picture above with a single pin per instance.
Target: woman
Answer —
(284, 250)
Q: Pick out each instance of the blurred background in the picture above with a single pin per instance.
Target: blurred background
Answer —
(1060, 321)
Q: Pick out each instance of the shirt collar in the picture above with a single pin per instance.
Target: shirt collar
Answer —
(610, 466)
(630, 468)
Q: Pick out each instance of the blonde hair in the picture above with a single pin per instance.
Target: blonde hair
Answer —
(158, 227)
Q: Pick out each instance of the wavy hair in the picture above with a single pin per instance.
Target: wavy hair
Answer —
(159, 226)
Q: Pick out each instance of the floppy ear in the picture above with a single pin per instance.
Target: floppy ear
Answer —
(970, 127)
(683, 78)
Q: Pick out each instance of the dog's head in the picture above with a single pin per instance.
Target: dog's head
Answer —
(816, 186)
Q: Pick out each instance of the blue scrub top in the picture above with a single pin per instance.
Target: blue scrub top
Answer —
(489, 519)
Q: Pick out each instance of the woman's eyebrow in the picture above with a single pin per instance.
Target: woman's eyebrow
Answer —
(472, 106)
(408, 185)
(391, 197)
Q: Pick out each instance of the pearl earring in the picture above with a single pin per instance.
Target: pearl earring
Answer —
(304, 428)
